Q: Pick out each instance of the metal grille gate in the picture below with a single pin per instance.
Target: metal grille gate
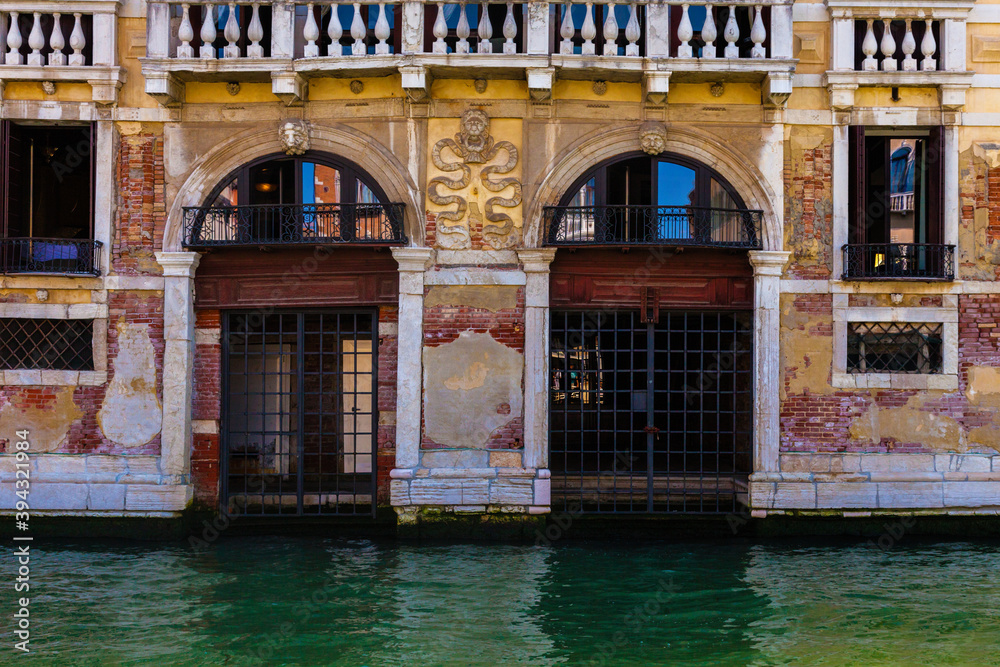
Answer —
(650, 416)
(299, 412)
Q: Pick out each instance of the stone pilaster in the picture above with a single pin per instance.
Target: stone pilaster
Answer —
(767, 268)
(178, 359)
(536, 355)
(413, 262)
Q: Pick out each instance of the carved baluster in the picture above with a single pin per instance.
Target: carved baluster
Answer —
(610, 30)
(462, 30)
(232, 34)
(588, 31)
(567, 29)
(928, 46)
(632, 31)
(358, 32)
(208, 32)
(708, 33)
(14, 40)
(509, 30)
(758, 33)
(731, 33)
(336, 32)
(684, 34)
(185, 33)
(255, 33)
(382, 31)
(485, 31)
(909, 46)
(868, 47)
(310, 32)
(57, 42)
(77, 40)
(440, 30)
(888, 48)
(36, 40)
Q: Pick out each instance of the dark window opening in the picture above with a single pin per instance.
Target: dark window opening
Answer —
(308, 199)
(666, 199)
(888, 347)
(37, 344)
(897, 211)
(47, 199)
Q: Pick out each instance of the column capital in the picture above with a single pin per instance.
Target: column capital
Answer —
(178, 264)
(415, 260)
(536, 260)
(769, 262)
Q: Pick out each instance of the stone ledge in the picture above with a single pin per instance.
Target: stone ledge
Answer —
(881, 495)
(835, 462)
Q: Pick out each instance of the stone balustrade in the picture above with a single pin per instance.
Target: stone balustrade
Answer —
(637, 40)
(53, 42)
(920, 44)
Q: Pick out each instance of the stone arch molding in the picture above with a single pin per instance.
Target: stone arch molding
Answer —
(362, 150)
(603, 144)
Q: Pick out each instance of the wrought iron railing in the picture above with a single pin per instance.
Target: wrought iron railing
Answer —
(45, 255)
(652, 225)
(289, 224)
(899, 261)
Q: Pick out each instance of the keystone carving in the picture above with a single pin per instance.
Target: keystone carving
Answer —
(474, 145)
(653, 137)
(294, 135)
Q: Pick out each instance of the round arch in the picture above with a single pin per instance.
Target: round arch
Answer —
(353, 146)
(601, 145)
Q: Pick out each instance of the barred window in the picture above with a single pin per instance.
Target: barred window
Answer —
(38, 344)
(890, 347)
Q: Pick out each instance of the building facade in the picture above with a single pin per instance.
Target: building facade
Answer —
(325, 258)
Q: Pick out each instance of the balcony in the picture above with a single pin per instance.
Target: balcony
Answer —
(920, 43)
(65, 41)
(289, 42)
(899, 261)
(626, 226)
(293, 224)
(50, 256)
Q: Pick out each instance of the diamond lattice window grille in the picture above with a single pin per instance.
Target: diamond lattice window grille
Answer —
(891, 347)
(65, 345)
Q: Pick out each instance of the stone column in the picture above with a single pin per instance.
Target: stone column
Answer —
(409, 371)
(841, 206)
(178, 359)
(767, 267)
(536, 355)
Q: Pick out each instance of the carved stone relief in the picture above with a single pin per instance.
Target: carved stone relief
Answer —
(473, 145)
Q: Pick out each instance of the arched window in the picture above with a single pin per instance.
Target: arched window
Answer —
(313, 198)
(664, 199)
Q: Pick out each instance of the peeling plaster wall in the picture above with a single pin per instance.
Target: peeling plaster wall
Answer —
(979, 230)
(809, 202)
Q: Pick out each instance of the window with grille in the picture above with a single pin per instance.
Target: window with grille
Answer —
(890, 347)
(36, 344)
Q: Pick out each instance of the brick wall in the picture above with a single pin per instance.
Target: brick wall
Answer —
(386, 448)
(443, 324)
(207, 406)
(821, 419)
(141, 215)
(809, 212)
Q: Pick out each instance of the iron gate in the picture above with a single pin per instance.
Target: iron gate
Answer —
(299, 412)
(650, 416)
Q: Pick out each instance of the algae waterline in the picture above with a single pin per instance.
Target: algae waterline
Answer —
(309, 601)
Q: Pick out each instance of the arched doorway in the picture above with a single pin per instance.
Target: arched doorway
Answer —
(651, 339)
(298, 277)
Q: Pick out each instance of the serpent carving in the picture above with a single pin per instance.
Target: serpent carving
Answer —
(474, 145)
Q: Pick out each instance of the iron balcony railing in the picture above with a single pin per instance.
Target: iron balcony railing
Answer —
(290, 224)
(46, 255)
(652, 225)
(899, 261)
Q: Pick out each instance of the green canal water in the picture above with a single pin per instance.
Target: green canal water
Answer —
(297, 601)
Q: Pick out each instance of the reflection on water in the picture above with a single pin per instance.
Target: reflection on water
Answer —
(294, 601)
